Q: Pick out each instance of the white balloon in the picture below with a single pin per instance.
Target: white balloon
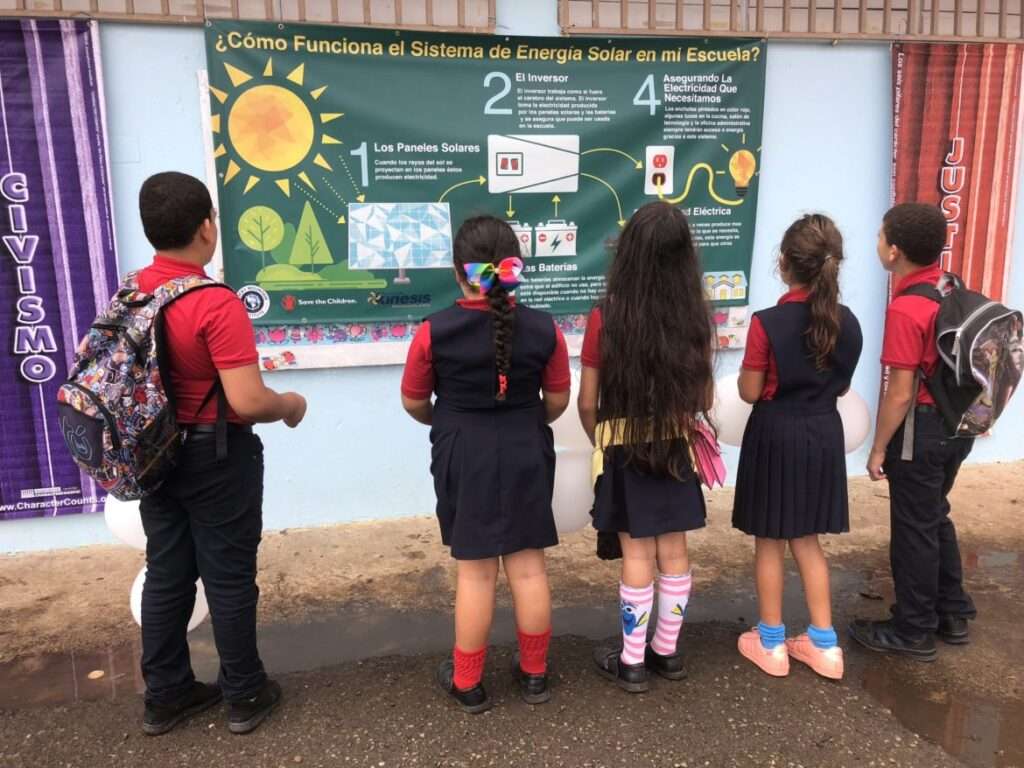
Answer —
(856, 418)
(567, 428)
(730, 413)
(574, 493)
(124, 520)
(199, 612)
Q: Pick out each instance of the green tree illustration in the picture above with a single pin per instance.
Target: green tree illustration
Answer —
(310, 246)
(261, 229)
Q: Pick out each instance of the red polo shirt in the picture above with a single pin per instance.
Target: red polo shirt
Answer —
(759, 355)
(207, 331)
(909, 342)
(418, 376)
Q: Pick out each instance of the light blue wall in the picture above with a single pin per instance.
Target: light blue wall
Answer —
(826, 147)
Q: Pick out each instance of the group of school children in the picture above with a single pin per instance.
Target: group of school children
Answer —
(488, 375)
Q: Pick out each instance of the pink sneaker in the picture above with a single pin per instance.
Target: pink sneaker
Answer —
(827, 663)
(774, 662)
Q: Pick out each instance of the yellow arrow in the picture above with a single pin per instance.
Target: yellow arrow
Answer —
(689, 183)
(618, 203)
(636, 163)
(556, 200)
(511, 211)
(478, 180)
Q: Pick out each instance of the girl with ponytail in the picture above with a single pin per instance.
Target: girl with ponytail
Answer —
(791, 486)
(488, 375)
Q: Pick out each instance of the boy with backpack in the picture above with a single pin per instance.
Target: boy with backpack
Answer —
(160, 406)
(950, 353)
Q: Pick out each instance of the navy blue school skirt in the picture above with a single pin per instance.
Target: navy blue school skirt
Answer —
(494, 475)
(792, 476)
(629, 501)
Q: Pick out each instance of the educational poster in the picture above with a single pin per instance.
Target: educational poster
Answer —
(957, 124)
(58, 268)
(347, 158)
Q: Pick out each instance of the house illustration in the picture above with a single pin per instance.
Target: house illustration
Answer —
(725, 286)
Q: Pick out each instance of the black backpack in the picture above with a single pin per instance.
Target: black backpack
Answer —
(981, 358)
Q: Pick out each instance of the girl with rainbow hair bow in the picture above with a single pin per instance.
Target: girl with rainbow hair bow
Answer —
(498, 373)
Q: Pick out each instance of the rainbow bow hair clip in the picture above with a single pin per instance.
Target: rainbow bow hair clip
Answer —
(484, 275)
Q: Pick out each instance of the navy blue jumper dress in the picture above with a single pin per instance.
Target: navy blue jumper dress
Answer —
(493, 462)
(792, 474)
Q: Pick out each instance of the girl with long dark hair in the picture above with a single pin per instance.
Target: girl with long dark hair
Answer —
(647, 381)
(791, 487)
(499, 372)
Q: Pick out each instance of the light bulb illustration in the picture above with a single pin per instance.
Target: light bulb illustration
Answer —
(742, 166)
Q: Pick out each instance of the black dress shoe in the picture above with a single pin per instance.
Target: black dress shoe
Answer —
(670, 667)
(245, 716)
(474, 701)
(953, 630)
(882, 636)
(161, 718)
(533, 688)
(629, 677)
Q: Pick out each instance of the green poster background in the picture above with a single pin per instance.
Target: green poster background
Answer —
(564, 137)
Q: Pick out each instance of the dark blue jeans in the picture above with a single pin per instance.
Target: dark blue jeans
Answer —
(205, 521)
(923, 552)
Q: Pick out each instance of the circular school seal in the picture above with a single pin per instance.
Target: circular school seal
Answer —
(256, 301)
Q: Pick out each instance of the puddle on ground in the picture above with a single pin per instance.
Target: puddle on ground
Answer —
(61, 679)
(982, 734)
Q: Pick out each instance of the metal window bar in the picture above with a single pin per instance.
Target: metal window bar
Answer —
(376, 13)
(852, 19)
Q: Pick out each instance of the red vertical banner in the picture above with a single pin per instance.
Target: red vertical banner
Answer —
(957, 123)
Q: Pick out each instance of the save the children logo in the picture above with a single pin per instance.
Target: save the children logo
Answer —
(256, 301)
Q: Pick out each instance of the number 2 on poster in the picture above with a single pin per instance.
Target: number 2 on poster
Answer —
(489, 107)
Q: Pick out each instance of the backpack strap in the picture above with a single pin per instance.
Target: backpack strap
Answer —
(934, 292)
(167, 294)
(221, 436)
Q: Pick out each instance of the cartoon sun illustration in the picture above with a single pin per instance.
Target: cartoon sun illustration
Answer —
(271, 131)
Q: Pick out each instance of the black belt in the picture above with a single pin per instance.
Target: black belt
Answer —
(926, 409)
(211, 429)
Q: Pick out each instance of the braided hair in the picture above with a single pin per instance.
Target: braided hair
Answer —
(487, 239)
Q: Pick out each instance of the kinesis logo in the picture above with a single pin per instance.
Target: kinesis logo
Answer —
(399, 299)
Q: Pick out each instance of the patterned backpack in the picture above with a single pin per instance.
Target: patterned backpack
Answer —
(116, 410)
(981, 358)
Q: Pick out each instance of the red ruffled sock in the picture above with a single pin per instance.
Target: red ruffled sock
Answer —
(469, 668)
(533, 652)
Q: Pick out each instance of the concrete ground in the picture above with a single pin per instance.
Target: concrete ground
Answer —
(355, 618)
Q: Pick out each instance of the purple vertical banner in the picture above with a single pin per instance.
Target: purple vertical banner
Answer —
(58, 264)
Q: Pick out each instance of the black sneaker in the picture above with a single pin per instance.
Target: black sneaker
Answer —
(246, 715)
(474, 701)
(669, 667)
(882, 636)
(953, 630)
(161, 718)
(533, 688)
(629, 677)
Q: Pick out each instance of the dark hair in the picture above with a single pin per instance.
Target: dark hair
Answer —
(173, 206)
(656, 341)
(917, 229)
(812, 251)
(486, 239)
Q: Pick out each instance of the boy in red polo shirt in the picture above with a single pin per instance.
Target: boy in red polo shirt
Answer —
(924, 555)
(206, 519)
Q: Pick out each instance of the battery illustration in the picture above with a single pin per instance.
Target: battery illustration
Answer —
(525, 234)
(556, 238)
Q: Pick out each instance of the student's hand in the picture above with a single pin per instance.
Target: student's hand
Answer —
(296, 409)
(876, 465)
